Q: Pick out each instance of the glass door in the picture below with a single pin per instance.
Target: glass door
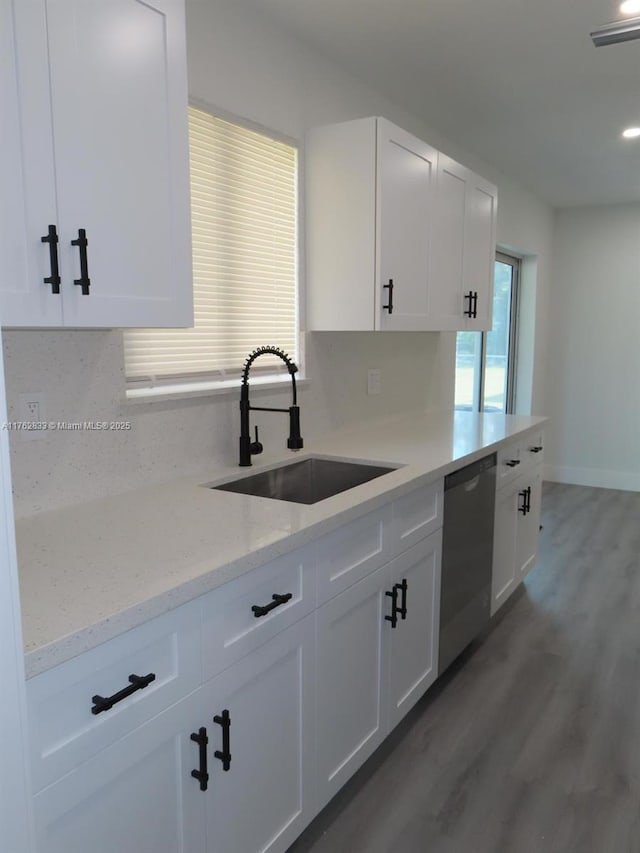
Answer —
(485, 361)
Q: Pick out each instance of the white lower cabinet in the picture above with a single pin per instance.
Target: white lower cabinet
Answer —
(414, 643)
(255, 714)
(528, 525)
(377, 655)
(352, 677)
(503, 580)
(137, 795)
(516, 527)
(264, 798)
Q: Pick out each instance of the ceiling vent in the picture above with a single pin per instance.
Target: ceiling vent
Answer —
(616, 32)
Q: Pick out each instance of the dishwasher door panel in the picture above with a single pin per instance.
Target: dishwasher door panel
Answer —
(467, 556)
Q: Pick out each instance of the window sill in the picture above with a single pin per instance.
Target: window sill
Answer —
(228, 388)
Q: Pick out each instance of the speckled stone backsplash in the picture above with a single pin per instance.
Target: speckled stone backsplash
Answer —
(82, 375)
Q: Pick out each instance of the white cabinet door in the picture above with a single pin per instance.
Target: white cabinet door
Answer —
(528, 524)
(136, 795)
(414, 641)
(28, 202)
(503, 579)
(515, 542)
(103, 84)
(405, 199)
(480, 249)
(448, 244)
(265, 798)
(464, 247)
(352, 678)
(119, 101)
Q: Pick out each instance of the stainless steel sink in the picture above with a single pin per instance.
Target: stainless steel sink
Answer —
(305, 482)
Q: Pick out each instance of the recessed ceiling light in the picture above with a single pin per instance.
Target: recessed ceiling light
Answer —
(630, 7)
(631, 133)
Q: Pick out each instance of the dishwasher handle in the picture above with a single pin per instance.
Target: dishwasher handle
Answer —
(470, 473)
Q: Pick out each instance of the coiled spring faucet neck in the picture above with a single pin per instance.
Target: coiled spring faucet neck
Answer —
(291, 366)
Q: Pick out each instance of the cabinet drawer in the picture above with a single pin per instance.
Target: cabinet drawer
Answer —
(510, 463)
(352, 552)
(417, 515)
(532, 449)
(64, 731)
(232, 626)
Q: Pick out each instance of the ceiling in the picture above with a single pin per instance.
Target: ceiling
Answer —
(517, 83)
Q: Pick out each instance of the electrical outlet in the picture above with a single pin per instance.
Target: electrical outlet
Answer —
(31, 415)
(374, 380)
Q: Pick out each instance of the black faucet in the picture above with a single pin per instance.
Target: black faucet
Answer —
(248, 447)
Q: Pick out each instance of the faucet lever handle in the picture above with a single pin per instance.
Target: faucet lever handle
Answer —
(256, 446)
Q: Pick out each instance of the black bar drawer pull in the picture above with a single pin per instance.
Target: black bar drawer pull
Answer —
(224, 755)
(402, 610)
(393, 595)
(262, 609)
(201, 775)
(523, 507)
(525, 494)
(475, 304)
(511, 463)
(84, 281)
(468, 312)
(138, 682)
(538, 449)
(389, 306)
(52, 239)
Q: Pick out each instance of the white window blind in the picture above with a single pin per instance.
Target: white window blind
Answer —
(244, 226)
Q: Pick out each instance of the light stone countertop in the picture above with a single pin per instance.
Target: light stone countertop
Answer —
(91, 572)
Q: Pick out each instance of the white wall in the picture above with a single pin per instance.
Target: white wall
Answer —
(242, 63)
(594, 348)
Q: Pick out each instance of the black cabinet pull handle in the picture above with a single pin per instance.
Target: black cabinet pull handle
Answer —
(402, 610)
(538, 449)
(393, 595)
(84, 281)
(52, 239)
(468, 312)
(511, 463)
(138, 682)
(262, 609)
(201, 775)
(389, 306)
(472, 310)
(525, 494)
(523, 507)
(224, 755)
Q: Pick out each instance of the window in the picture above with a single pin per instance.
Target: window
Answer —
(245, 270)
(485, 361)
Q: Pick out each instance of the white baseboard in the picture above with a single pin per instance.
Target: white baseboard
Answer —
(624, 480)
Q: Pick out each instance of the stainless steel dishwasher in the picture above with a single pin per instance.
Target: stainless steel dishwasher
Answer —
(467, 556)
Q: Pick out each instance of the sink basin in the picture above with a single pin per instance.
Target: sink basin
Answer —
(305, 482)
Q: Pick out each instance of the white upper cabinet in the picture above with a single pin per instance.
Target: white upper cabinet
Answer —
(28, 199)
(398, 235)
(405, 204)
(464, 247)
(369, 205)
(100, 101)
(480, 249)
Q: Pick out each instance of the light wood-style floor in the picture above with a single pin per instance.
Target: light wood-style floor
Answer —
(531, 742)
